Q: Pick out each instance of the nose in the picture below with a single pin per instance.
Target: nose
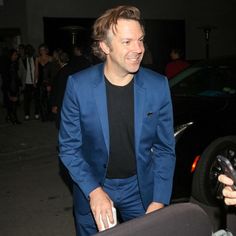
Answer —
(138, 46)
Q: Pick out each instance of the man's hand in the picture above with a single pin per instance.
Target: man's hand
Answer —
(154, 206)
(101, 204)
(228, 193)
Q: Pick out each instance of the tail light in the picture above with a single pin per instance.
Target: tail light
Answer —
(194, 165)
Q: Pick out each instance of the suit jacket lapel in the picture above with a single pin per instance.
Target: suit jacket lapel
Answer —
(139, 99)
(101, 102)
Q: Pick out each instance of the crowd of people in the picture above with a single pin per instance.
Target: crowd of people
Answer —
(40, 76)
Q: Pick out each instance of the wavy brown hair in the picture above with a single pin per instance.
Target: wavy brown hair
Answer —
(109, 20)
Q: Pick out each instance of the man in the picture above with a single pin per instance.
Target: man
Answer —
(116, 134)
(59, 84)
(228, 193)
(177, 63)
(27, 73)
(78, 63)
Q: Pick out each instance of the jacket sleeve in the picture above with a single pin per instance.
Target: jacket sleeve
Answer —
(71, 141)
(164, 151)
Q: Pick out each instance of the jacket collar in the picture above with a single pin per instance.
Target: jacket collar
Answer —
(99, 76)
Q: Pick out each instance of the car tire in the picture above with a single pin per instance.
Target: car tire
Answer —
(204, 185)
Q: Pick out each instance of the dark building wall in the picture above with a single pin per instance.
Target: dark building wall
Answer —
(196, 14)
(13, 15)
(214, 13)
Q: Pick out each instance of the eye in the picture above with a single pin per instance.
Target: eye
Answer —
(126, 42)
(141, 40)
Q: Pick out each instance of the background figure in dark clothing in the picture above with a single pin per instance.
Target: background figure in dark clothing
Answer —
(21, 51)
(59, 85)
(43, 65)
(177, 63)
(13, 84)
(4, 62)
(27, 75)
(55, 67)
(77, 63)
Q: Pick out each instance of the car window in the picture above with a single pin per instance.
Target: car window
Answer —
(205, 81)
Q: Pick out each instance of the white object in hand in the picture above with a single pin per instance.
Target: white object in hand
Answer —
(110, 225)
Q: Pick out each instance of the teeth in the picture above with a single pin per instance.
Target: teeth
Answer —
(134, 59)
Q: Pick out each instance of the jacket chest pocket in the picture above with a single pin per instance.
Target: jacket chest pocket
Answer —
(150, 122)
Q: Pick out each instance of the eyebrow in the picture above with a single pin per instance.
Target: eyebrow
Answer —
(127, 38)
(142, 37)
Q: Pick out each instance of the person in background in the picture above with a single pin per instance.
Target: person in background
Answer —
(59, 85)
(4, 63)
(21, 51)
(78, 61)
(58, 89)
(27, 75)
(177, 63)
(43, 80)
(228, 193)
(13, 84)
(68, 67)
(116, 132)
(55, 66)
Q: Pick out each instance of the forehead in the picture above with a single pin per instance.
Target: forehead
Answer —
(128, 28)
(42, 49)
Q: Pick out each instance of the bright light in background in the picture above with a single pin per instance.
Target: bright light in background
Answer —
(194, 165)
(180, 128)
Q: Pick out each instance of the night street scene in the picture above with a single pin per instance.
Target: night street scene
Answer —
(190, 45)
(34, 198)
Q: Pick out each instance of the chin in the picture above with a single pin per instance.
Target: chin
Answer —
(134, 68)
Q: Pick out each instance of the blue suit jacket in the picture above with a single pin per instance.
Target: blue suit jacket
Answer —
(84, 134)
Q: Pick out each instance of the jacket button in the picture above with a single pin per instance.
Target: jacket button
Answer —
(104, 166)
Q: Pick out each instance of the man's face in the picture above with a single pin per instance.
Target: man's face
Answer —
(14, 56)
(125, 47)
(43, 51)
(174, 55)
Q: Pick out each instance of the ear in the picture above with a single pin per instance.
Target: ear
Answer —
(105, 48)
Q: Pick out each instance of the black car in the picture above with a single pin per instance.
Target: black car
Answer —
(204, 104)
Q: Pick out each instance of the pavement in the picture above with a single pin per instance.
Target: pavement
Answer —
(34, 199)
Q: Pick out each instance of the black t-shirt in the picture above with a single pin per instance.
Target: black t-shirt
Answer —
(120, 104)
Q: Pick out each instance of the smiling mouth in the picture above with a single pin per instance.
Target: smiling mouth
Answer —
(134, 59)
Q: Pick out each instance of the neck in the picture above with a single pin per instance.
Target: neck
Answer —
(115, 78)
